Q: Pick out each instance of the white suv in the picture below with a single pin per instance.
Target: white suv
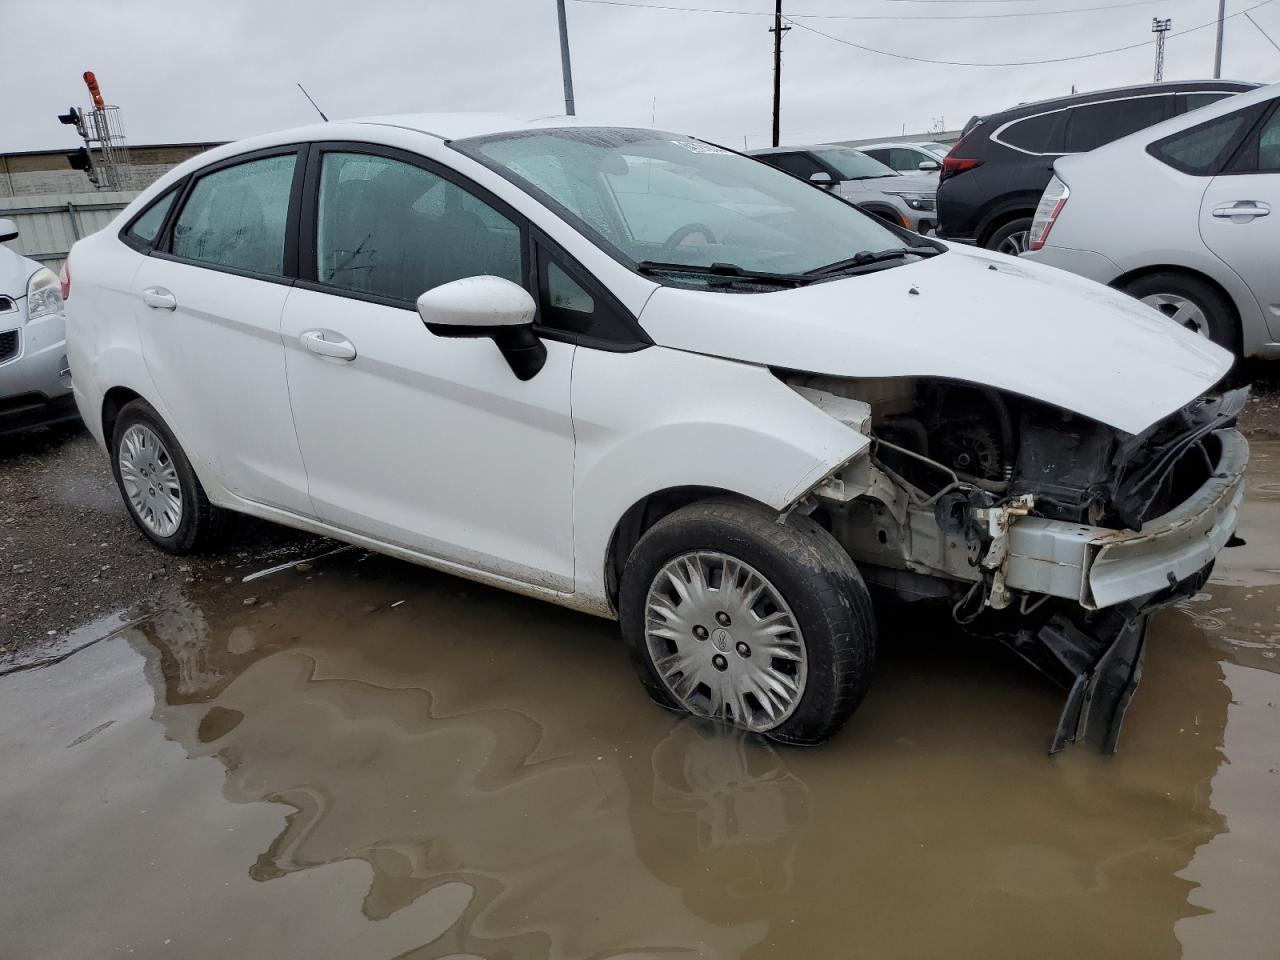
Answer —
(646, 377)
(1185, 216)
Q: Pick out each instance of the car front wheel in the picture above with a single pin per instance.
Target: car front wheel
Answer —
(159, 487)
(761, 625)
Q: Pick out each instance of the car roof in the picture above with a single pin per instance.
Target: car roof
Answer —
(800, 148)
(917, 144)
(1134, 90)
(459, 126)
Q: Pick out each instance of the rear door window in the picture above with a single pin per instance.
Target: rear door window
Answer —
(236, 217)
(1094, 124)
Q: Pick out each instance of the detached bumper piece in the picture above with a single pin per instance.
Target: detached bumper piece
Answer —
(29, 410)
(1097, 658)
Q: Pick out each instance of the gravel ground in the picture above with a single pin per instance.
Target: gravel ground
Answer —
(69, 554)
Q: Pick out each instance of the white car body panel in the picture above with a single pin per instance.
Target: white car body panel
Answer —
(431, 443)
(1171, 222)
(659, 419)
(974, 316)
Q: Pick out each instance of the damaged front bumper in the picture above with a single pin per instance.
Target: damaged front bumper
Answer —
(1099, 567)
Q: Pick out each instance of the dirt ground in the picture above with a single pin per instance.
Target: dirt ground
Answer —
(69, 553)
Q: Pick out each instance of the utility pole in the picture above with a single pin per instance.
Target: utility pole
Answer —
(565, 67)
(1160, 28)
(777, 30)
(1217, 56)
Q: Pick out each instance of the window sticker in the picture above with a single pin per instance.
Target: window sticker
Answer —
(697, 146)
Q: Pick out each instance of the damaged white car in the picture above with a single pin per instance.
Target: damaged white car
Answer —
(643, 376)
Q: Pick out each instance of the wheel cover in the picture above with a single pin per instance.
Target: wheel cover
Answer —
(150, 480)
(1015, 244)
(1184, 312)
(724, 641)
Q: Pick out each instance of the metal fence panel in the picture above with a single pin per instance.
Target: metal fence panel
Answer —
(48, 225)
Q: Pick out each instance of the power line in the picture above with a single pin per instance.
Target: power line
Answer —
(1263, 32)
(1015, 63)
(887, 16)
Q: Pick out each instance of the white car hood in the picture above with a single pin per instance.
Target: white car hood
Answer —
(965, 315)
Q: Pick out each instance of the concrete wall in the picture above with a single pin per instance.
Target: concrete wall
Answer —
(46, 172)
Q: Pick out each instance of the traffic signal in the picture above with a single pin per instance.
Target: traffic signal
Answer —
(72, 116)
(80, 160)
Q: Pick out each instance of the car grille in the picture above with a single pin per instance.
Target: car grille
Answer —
(8, 345)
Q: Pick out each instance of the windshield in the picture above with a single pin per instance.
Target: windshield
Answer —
(854, 164)
(657, 198)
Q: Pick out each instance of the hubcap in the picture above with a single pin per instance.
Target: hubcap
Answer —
(1181, 311)
(150, 480)
(1015, 244)
(724, 641)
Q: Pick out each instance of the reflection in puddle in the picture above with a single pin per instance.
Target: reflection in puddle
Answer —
(481, 775)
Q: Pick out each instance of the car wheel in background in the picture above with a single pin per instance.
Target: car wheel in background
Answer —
(158, 485)
(1191, 303)
(1012, 238)
(766, 626)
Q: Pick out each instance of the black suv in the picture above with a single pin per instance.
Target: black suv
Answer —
(993, 177)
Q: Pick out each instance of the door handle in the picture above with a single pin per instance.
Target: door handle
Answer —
(158, 298)
(1245, 210)
(326, 343)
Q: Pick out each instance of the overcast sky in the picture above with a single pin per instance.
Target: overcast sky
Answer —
(184, 70)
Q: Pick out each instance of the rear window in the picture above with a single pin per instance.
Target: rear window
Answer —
(1094, 124)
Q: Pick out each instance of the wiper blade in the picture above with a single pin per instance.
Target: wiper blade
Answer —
(728, 270)
(865, 258)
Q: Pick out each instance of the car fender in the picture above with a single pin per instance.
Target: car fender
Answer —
(658, 419)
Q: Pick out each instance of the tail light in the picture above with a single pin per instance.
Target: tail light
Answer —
(953, 163)
(65, 280)
(1052, 201)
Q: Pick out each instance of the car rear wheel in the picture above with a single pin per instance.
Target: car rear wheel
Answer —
(735, 617)
(1012, 238)
(158, 485)
(1190, 303)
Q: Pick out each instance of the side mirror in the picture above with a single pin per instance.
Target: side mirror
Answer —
(822, 179)
(928, 166)
(487, 307)
(8, 230)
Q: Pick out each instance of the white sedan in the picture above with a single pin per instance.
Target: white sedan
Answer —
(643, 376)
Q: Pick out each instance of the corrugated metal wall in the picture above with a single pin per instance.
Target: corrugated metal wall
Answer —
(48, 225)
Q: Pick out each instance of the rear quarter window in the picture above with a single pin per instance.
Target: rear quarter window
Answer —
(1202, 150)
(1038, 134)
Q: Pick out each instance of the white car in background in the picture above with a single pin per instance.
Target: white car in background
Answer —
(1184, 215)
(909, 158)
(35, 382)
(639, 375)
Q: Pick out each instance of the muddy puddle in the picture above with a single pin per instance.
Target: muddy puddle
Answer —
(372, 760)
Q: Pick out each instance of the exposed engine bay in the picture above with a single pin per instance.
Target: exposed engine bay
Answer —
(1044, 529)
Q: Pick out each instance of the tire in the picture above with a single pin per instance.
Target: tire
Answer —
(198, 524)
(818, 586)
(1011, 238)
(1192, 303)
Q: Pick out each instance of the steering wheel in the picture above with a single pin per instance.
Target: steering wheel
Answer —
(684, 233)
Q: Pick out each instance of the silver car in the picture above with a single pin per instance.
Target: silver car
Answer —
(1184, 215)
(908, 201)
(35, 383)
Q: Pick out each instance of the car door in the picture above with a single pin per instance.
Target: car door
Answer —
(209, 298)
(424, 442)
(1240, 215)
